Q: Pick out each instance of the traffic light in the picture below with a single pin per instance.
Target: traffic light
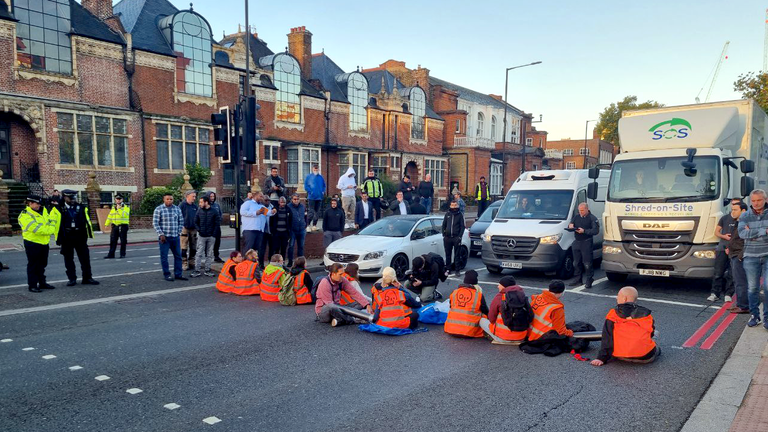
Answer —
(250, 132)
(222, 134)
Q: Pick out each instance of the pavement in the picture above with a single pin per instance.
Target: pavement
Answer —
(139, 353)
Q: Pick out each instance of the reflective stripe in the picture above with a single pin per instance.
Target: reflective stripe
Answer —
(544, 313)
(537, 331)
(37, 227)
(465, 323)
(30, 223)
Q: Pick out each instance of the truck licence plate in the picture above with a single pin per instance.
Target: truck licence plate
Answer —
(511, 265)
(651, 272)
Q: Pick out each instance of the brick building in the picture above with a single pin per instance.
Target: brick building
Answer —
(574, 152)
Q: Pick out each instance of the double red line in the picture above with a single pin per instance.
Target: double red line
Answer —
(719, 330)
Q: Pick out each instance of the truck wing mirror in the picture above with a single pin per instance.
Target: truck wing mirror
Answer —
(594, 173)
(592, 191)
(747, 166)
(747, 186)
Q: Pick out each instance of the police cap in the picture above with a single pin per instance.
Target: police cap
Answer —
(69, 192)
(118, 196)
(34, 198)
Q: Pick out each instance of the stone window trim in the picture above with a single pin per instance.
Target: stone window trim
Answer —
(299, 162)
(438, 168)
(174, 172)
(43, 39)
(360, 167)
(272, 145)
(184, 141)
(20, 73)
(100, 168)
(75, 131)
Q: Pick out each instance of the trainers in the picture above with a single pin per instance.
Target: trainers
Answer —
(755, 320)
(334, 322)
(210, 274)
(712, 298)
(728, 299)
(195, 274)
(438, 295)
(309, 229)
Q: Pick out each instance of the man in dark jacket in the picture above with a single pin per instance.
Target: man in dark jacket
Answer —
(74, 231)
(635, 346)
(213, 198)
(188, 232)
(280, 225)
(333, 223)
(453, 230)
(426, 191)
(298, 228)
(417, 207)
(406, 187)
(363, 211)
(424, 279)
(206, 221)
(586, 227)
(274, 187)
(735, 251)
(400, 206)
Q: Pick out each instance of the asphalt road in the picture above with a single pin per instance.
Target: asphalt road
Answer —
(262, 366)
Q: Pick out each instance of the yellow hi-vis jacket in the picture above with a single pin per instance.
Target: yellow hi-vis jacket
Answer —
(38, 228)
(119, 216)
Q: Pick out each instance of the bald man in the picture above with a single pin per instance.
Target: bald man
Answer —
(628, 332)
(586, 227)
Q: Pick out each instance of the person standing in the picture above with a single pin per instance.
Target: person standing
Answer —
(417, 207)
(372, 186)
(363, 211)
(483, 196)
(722, 283)
(753, 228)
(188, 232)
(253, 215)
(426, 191)
(168, 223)
(274, 186)
(333, 223)
(586, 226)
(120, 217)
(298, 228)
(462, 204)
(400, 206)
(280, 225)
(217, 243)
(453, 230)
(735, 251)
(406, 187)
(73, 233)
(314, 184)
(37, 227)
(347, 187)
(206, 221)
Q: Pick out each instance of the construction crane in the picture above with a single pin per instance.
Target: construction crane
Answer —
(714, 73)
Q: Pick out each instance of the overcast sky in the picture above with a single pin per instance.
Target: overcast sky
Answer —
(593, 52)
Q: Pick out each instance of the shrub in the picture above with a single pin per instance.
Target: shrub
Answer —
(198, 177)
(153, 197)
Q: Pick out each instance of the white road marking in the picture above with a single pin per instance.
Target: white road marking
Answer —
(172, 406)
(134, 391)
(74, 368)
(578, 289)
(49, 356)
(8, 340)
(27, 349)
(103, 300)
(101, 378)
(211, 420)
(143, 262)
(112, 275)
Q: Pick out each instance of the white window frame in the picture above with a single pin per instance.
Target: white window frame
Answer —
(184, 143)
(359, 167)
(493, 127)
(480, 124)
(436, 168)
(496, 174)
(300, 163)
(584, 151)
(570, 165)
(458, 125)
(568, 152)
(529, 142)
(94, 145)
(273, 147)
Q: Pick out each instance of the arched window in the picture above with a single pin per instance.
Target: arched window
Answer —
(357, 93)
(480, 124)
(493, 127)
(288, 83)
(42, 35)
(191, 37)
(418, 111)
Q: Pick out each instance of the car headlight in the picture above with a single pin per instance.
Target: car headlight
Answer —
(611, 250)
(706, 254)
(373, 255)
(552, 239)
(487, 237)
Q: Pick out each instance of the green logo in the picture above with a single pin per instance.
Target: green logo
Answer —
(678, 128)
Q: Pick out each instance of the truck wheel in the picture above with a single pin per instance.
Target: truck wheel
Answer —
(566, 267)
(616, 277)
(493, 269)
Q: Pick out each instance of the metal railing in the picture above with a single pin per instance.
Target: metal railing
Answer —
(474, 142)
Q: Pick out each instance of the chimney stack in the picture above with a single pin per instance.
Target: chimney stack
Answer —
(300, 46)
(101, 8)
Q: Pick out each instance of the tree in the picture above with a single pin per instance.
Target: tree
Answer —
(753, 86)
(198, 177)
(608, 123)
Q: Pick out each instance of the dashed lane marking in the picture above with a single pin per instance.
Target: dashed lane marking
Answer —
(49, 357)
(134, 391)
(101, 378)
(7, 340)
(112, 275)
(74, 368)
(211, 420)
(172, 406)
(27, 349)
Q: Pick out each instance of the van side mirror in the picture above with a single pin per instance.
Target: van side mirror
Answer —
(592, 191)
(747, 166)
(594, 173)
(747, 186)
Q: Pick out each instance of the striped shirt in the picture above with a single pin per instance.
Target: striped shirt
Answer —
(756, 236)
(168, 220)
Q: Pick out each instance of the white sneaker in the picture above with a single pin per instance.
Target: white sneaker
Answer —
(334, 322)
(309, 229)
(712, 298)
(728, 299)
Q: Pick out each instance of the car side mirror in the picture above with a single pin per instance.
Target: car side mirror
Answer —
(418, 235)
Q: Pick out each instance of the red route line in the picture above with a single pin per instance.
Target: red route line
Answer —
(718, 332)
(698, 334)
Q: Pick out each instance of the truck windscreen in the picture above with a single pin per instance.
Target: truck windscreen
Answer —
(665, 180)
(536, 204)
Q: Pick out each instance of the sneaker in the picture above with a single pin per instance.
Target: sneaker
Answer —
(210, 274)
(309, 229)
(755, 320)
(169, 278)
(195, 274)
(218, 260)
(712, 298)
(438, 295)
(728, 299)
(334, 322)
(738, 310)
(181, 278)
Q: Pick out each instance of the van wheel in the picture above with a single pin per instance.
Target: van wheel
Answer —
(566, 267)
(462, 256)
(493, 269)
(616, 277)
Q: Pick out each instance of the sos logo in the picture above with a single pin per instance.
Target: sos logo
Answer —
(671, 129)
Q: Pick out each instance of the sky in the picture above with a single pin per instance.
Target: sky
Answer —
(593, 53)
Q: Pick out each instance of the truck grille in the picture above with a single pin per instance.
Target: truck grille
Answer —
(658, 245)
(342, 258)
(506, 247)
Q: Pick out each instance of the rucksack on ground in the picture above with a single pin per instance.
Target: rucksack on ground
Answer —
(516, 312)
(287, 296)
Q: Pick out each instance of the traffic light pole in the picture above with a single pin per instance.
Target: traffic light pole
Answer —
(237, 161)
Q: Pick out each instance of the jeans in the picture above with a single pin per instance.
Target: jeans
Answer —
(254, 239)
(205, 246)
(173, 244)
(330, 237)
(427, 202)
(297, 238)
(313, 210)
(426, 293)
(755, 267)
(582, 254)
(723, 282)
(739, 283)
(376, 205)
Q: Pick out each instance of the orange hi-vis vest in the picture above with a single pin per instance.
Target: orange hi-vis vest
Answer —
(346, 299)
(542, 318)
(246, 282)
(499, 329)
(631, 337)
(393, 312)
(270, 285)
(303, 295)
(464, 315)
(225, 283)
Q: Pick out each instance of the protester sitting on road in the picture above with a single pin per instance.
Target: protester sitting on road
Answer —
(302, 281)
(272, 279)
(467, 308)
(227, 276)
(351, 274)
(329, 294)
(511, 302)
(549, 312)
(394, 306)
(248, 275)
(628, 332)
(425, 277)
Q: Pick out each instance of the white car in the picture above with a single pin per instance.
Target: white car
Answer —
(393, 242)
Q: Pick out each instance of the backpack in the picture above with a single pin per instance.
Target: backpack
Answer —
(313, 291)
(516, 313)
(440, 263)
(287, 296)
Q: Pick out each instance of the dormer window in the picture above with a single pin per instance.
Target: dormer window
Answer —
(42, 35)
(357, 95)
(418, 107)
(287, 77)
(190, 36)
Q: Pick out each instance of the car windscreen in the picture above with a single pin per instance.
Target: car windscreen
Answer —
(487, 215)
(389, 227)
(536, 204)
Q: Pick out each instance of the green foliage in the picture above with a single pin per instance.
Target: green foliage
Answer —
(753, 86)
(198, 177)
(608, 124)
(153, 197)
(390, 188)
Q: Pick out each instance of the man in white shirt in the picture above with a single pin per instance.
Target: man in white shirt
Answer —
(363, 211)
(400, 206)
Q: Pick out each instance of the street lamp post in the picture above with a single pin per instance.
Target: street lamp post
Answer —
(506, 86)
(586, 129)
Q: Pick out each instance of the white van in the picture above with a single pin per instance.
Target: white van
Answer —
(529, 229)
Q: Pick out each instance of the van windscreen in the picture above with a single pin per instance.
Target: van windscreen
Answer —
(537, 204)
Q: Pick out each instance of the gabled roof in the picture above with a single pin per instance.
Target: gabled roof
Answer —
(473, 96)
(139, 17)
(326, 70)
(258, 47)
(84, 23)
(390, 82)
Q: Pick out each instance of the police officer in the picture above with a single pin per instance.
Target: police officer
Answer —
(119, 216)
(37, 226)
(585, 227)
(73, 232)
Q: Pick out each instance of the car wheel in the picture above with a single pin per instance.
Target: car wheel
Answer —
(566, 267)
(462, 256)
(493, 269)
(401, 265)
(616, 277)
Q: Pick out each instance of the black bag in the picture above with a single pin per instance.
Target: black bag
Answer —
(440, 263)
(516, 312)
(579, 345)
